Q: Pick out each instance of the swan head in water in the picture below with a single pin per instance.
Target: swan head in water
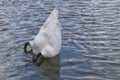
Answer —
(37, 58)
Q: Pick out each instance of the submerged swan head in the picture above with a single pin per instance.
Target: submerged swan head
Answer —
(37, 58)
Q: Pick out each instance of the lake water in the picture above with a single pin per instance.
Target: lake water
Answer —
(90, 39)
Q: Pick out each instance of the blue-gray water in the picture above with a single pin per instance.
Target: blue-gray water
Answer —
(90, 39)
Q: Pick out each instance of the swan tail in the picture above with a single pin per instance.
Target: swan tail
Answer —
(52, 21)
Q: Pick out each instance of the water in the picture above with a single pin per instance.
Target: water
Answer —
(90, 39)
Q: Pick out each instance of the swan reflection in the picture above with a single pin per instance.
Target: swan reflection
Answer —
(51, 67)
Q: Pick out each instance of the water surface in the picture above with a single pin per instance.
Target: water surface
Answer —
(90, 39)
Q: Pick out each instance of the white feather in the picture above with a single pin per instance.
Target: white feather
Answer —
(48, 40)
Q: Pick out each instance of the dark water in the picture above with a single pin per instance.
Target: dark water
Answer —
(90, 39)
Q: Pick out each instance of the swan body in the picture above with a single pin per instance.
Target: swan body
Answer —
(48, 40)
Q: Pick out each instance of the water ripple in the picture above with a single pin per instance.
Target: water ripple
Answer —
(90, 39)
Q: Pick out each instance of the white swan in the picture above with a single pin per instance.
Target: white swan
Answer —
(47, 42)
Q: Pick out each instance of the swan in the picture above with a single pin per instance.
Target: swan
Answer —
(47, 43)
